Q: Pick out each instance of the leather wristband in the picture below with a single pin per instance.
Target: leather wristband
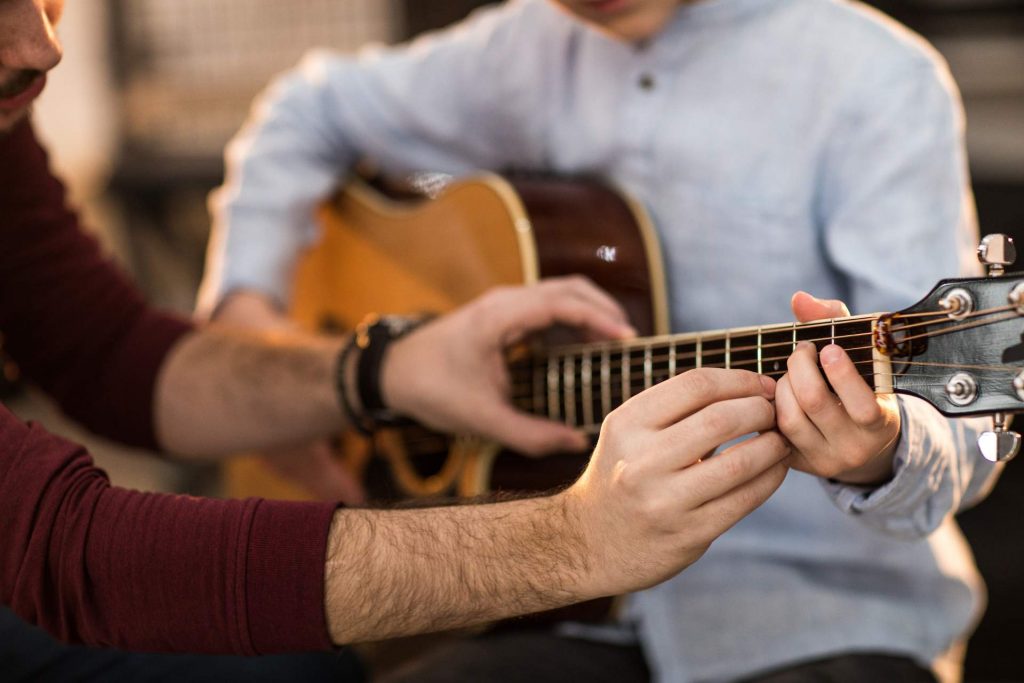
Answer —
(374, 335)
(355, 417)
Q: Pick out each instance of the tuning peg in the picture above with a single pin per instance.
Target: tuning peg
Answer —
(996, 251)
(999, 445)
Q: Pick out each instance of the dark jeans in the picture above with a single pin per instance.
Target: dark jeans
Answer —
(542, 657)
(29, 654)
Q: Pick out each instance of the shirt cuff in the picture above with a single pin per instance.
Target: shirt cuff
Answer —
(901, 503)
(285, 576)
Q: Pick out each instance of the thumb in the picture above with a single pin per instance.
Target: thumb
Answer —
(807, 307)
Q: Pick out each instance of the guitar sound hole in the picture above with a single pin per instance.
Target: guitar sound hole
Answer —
(424, 450)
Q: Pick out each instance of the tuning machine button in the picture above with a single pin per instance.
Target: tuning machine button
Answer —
(1018, 384)
(1000, 444)
(1016, 297)
(996, 251)
(957, 303)
(961, 389)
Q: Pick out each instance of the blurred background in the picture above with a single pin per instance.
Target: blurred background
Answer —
(151, 90)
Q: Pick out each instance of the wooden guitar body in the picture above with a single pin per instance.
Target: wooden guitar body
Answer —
(380, 254)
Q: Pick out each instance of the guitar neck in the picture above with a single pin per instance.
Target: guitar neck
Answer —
(580, 384)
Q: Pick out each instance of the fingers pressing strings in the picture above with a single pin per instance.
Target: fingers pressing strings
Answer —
(637, 367)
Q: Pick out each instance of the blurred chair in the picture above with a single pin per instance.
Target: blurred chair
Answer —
(187, 71)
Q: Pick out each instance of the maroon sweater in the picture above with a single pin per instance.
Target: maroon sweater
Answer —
(107, 566)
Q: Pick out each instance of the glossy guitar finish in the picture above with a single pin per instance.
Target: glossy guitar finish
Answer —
(986, 347)
(412, 255)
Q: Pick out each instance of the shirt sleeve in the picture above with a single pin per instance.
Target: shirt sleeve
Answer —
(115, 568)
(71, 319)
(898, 216)
(446, 102)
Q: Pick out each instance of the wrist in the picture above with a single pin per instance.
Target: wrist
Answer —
(591, 580)
(874, 473)
(363, 381)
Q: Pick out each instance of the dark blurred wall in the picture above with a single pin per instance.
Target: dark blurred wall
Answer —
(422, 16)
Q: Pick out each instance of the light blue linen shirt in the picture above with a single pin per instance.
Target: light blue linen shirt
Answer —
(779, 145)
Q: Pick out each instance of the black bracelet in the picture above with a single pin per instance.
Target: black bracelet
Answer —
(356, 419)
(373, 337)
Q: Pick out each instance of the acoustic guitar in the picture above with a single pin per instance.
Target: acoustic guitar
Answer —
(959, 348)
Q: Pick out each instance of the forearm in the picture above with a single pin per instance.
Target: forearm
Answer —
(221, 391)
(109, 567)
(398, 572)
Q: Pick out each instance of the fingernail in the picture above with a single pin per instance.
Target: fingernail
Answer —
(831, 354)
(768, 384)
(628, 331)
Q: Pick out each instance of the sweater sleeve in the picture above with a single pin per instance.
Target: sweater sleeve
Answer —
(71, 320)
(104, 566)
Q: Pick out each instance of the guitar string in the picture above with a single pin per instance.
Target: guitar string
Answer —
(600, 348)
(643, 360)
(645, 342)
(870, 362)
(957, 326)
(522, 390)
(1000, 369)
(527, 401)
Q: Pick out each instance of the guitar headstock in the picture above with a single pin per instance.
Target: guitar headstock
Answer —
(961, 348)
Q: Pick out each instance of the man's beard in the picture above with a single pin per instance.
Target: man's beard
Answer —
(21, 82)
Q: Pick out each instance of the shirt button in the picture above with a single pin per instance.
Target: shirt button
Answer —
(646, 81)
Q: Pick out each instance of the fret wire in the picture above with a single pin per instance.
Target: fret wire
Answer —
(569, 389)
(939, 317)
(737, 349)
(833, 331)
(794, 337)
(764, 359)
(553, 368)
(641, 341)
(865, 372)
(588, 394)
(759, 350)
(553, 411)
(538, 387)
(626, 369)
(606, 389)
(672, 358)
(671, 345)
(728, 343)
(647, 367)
(753, 347)
(752, 362)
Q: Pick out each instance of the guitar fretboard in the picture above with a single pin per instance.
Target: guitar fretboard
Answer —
(580, 384)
